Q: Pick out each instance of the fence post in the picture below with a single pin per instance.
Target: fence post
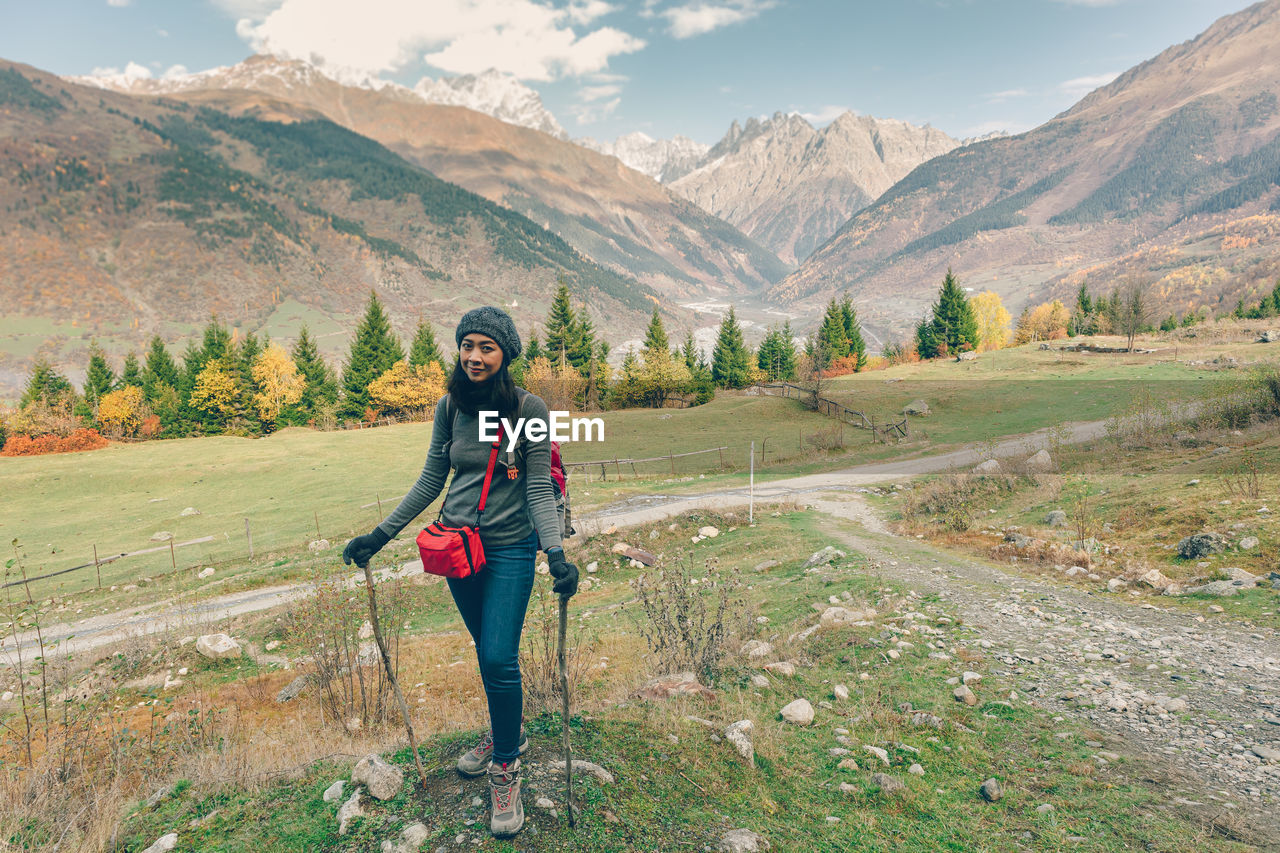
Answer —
(96, 566)
(720, 450)
(316, 515)
(380, 515)
(751, 505)
(248, 534)
(172, 557)
(672, 460)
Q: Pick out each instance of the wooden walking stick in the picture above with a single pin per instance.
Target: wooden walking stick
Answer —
(564, 709)
(391, 676)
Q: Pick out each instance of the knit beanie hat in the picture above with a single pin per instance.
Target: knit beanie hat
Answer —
(493, 322)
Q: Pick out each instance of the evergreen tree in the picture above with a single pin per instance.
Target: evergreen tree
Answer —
(857, 346)
(831, 333)
(425, 350)
(321, 388)
(689, 352)
(1275, 298)
(534, 349)
(247, 385)
(655, 337)
(954, 323)
(99, 379)
(131, 375)
(584, 342)
(373, 352)
(927, 344)
(730, 361)
(160, 370)
(47, 385)
(1169, 324)
(561, 327)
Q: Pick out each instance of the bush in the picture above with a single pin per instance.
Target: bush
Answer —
(539, 662)
(80, 439)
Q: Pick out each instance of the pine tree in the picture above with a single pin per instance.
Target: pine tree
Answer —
(374, 351)
(534, 349)
(321, 388)
(655, 337)
(730, 361)
(584, 341)
(99, 379)
(130, 373)
(927, 343)
(853, 332)
(424, 349)
(160, 370)
(247, 384)
(1275, 298)
(955, 328)
(47, 385)
(561, 327)
(831, 333)
(689, 352)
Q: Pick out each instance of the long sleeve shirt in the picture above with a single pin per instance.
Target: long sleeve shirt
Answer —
(515, 507)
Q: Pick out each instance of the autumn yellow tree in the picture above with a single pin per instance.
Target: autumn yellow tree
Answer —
(279, 384)
(408, 391)
(121, 412)
(558, 385)
(994, 322)
(663, 376)
(1046, 322)
(215, 392)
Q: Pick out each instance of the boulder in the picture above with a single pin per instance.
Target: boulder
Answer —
(384, 780)
(1219, 588)
(1270, 336)
(620, 547)
(161, 536)
(294, 688)
(217, 647)
(742, 841)
(799, 712)
(411, 838)
(991, 790)
(708, 532)
(604, 777)
(205, 573)
(989, 468)
(189, 511)
(334, 792)
(641, 556)
(1039, 462)
(1248, 543)
(1154, 579)
(888, 784)
(1236, 573)
(840, 692)
(318, 546)
(1116, 585)
(1201, 545)
(163, 844)
(1056, 518)
(828, 554)
(349, 811)
(782, 667)
(673, 684)
(739, 736)
(756, 649)
(919, 408)
(845, 616)
(970, 355)
(965, 695)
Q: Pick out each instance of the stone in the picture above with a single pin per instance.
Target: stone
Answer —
(919, 408)
(782, 667)
(1174, 706)
(318, 546)
(349, 811)
(1056, 518)
(967, 355)
(6, 696)
(965, 695)
(1155, 579)
(593, 567)
(294, 688)
(708, 532)
(604, 777)
(1266, 753)
(161, 536)
(334, 791)
(163, 844)
(969, 677)
(991, 790)
(743, 841)
(915, 770)
(756, 649)
(367, 654)
(205, 573)
(888, 784)
(799, 712)
(759, 680)
(544, 803)
(1270, 336)
(921, 719)
(383, 779)
(1248, 543)
(1201, 545)
(989, 468)
(739, 736)
(840, 692)
(640, 556)
(847, 764)
(672, 685)
(217, 647)
(1039, 462)
(1220, 588)
(411, 838)
(845, 616)
(878, 753)
(272, 645)
(827, 555)
(1116, 585)
(621, 547)
(765, 564)
(1044, 808)
(189, 511)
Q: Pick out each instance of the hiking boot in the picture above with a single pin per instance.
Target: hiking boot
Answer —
(504, 798)
(475, 761)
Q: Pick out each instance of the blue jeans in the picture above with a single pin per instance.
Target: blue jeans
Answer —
(493, 603)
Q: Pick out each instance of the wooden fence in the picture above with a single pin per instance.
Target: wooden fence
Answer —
(893, 429)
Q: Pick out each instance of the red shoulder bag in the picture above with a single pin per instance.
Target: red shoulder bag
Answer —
(456, 552)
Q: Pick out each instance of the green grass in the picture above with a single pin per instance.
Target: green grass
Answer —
(671, 795)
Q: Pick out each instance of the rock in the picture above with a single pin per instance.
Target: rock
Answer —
(1270, 336)
(271, 645)
(1116, 585)
(1248, 543)
(1044, 808)
(1045, 347)
(349, 811)
(739, 736)
(205, 573)
(1220, 588)
(621, 547)
(756, 649)
(765, 564)
(640, 556)
(384, 780)
(759, 680)
(544, 803)
(294, 688)
(1056, 518)
(845, 616)
(189, 511)
(919, 408)
(799, 712)
(847, 764)
(1266, 753)
(742, 841)
(1039, 462)
(887, 784)
(411, 838)
(965, 695)
(367, 654)
(1235, 573)
(1118, 704)
(163, 844)
(217, 647)
(846, 788)
(366, 630)
(1201, 545)
(968, 355)
(991, 790)
(840, 692)
(708, 532)
(970, 677)
(989, 468)
(827, 555)
(878, 753)
(6, 696)
(161, 536)
(604, 777)
(782, 667)
(318, 546)
(334, 791)
(1174, 706)
(1154, 579)
(915, 770)
(671, 685)
(920, 718)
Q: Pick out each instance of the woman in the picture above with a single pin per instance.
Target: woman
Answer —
(520, 514)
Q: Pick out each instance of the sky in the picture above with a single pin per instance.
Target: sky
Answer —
(664, 67)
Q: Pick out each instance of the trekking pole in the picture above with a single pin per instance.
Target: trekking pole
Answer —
(391, 676)
(564, 709)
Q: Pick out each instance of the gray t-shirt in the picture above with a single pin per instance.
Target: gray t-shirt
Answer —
(515, 506)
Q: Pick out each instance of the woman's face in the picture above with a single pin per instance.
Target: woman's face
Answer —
(481, 356)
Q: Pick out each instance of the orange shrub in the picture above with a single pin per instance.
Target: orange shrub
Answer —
(81, 439)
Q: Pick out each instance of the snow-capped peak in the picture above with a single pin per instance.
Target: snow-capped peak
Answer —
(663, 160)
(493, 93)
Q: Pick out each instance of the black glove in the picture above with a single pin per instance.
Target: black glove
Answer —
(565, 573)
(361, 549)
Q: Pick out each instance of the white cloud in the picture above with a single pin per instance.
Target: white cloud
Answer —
(699, 18)
(254, 9)
(118, 3)
(164, 34)
(1080, 86)
(175, 71)
(596, 93)
(591, 113)
(1000, 97)
(824, 115)
(524, 38)
(132, 71)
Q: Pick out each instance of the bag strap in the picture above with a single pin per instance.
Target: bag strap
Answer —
(488, 476)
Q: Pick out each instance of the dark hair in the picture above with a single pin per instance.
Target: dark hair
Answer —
(498, 393)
